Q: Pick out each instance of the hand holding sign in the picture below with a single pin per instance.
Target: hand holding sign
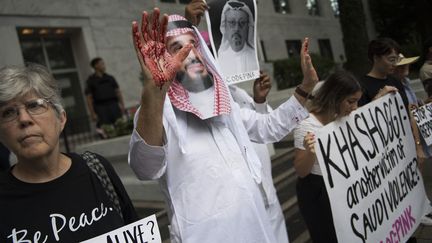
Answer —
(376, 175)
(309, 142)
(156, 63)
(386, 90)
(195, 10)
(261, 88)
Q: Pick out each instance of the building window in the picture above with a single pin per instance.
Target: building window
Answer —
(281, 6)
(168, 1)
(293, 47)
(325, 48)
(312, 6)
(52, 48)
(335, 7)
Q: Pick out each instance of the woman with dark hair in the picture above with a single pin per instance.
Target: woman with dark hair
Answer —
(336, 97)
(383, 53)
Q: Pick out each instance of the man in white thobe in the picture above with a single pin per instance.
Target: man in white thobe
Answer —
(236, 53)
(195, 142)
(258, 103)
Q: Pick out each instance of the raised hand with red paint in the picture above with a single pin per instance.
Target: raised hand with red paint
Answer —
(149, 41)
(159, 69)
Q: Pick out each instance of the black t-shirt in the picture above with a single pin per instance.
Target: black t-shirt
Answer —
(103, 89)
(71, 208)
(371, 87)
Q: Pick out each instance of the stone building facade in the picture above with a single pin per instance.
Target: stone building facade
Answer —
(65, 35)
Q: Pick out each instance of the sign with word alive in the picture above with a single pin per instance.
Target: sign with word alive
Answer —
(142, 231)
(423, 117)
(369, 166)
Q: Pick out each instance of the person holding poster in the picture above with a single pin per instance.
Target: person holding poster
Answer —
(236, 54)
(384, 55)
(423, 151)
(336, 98)
(192, 137)
(261, 88)
(48, 196)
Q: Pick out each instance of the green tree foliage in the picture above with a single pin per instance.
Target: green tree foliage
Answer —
(407, 22)
(355, 38)
(120, 128)
(287, 72)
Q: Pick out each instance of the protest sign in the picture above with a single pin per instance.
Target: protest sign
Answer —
(142, 231)
(369, 165)
(423, 118)
(232, 31)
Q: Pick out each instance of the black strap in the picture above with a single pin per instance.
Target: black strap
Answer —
(179, 24)
(303, 93)
(99, 170)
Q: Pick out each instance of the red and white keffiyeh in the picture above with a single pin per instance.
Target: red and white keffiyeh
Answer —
(178, 95)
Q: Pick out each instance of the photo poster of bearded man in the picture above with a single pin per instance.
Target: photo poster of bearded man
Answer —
(232, 30)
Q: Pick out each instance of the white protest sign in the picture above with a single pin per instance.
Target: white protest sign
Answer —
(144, 231)
(369, 166)
(232, 28)
(423, 118)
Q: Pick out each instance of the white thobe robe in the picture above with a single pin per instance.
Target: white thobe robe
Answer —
(273, 206)
(205, 172)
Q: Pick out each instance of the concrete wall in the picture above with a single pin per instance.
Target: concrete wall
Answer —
(275, 28)
(104, 30)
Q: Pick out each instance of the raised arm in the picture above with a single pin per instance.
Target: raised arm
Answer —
(158, 68)
(147, 156)
(310, 77)
(261, 89)
(272, 127)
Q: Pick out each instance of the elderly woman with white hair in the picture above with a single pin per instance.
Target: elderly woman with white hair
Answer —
(48, 196)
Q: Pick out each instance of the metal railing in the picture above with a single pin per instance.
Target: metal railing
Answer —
(77, 131)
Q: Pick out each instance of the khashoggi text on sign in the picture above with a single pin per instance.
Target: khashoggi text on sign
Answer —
(369, 166)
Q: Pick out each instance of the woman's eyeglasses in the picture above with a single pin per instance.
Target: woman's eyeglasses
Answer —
(33, 107)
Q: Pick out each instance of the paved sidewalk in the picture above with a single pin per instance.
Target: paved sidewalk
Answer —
(424, 233)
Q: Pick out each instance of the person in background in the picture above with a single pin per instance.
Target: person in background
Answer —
(425, 73)
(104, 98)
(384, 55)
(261, 88)
(423, 151)
(336, 97)
(191, 137)
(48, 196)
